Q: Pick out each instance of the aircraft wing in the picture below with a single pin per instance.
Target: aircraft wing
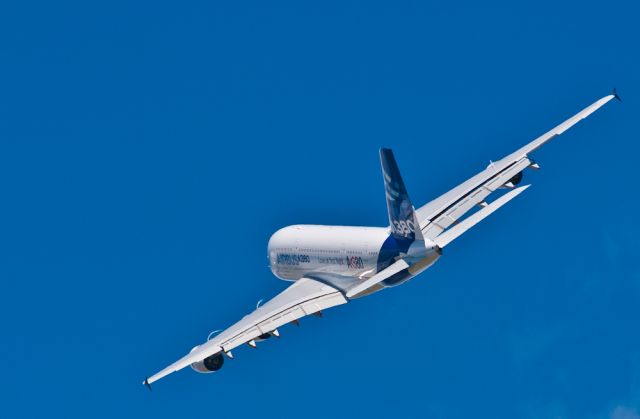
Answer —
(306, 296)
(441, 213)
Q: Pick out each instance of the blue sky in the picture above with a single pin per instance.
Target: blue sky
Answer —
(149, 150)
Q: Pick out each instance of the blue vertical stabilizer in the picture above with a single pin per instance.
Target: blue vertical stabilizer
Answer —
(404, 226)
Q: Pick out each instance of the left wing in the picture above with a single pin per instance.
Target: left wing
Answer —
(306, 296)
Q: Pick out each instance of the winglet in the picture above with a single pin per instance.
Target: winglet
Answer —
(615, 94)
(146, 383)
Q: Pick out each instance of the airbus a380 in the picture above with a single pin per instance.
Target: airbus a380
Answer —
(332, 265)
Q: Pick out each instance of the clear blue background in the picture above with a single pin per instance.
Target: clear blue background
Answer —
(148, 152)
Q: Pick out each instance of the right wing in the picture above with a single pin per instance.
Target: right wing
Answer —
(444, 211)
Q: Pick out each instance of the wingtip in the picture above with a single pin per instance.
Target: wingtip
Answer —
(146, 383)
(614, 92)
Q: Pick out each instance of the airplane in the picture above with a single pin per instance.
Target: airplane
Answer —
(332, 265)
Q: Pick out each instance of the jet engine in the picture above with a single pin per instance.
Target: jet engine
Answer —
(517, 178)
(210, 364)
(511, 183)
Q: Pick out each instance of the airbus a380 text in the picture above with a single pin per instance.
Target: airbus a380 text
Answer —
(332, 265)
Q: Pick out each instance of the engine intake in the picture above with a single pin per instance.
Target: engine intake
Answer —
(517, 178)
(210, 364)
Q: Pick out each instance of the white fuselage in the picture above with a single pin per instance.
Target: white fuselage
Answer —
(355, 252)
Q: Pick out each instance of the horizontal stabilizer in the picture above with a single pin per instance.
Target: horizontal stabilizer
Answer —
(454, 232)
(386, 273)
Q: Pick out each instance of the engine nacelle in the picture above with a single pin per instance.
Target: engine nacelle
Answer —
(511, 183)
(517, 178)
(208, 365)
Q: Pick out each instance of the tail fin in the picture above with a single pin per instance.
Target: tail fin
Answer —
(404, 225)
